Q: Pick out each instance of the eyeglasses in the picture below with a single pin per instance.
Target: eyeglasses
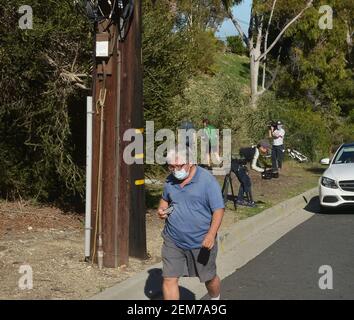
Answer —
(176, 167)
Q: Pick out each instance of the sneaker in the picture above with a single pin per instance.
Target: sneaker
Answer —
(251, 204)
(241, 202)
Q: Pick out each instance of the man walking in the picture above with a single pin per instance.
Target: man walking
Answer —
(193, 207)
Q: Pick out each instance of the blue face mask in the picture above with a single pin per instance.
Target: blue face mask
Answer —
(180, 174)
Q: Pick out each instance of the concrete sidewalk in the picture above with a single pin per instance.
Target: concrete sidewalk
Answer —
(238, 244)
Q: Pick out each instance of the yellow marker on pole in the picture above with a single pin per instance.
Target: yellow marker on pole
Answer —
(139, 182)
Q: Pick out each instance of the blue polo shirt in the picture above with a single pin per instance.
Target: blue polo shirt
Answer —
(193, 207)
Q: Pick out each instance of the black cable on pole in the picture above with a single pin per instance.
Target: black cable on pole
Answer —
(125, 19)
(119, 12)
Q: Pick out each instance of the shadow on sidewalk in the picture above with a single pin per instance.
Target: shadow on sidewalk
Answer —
(153, 287)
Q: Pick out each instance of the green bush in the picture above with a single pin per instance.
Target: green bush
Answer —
(351, 117)
(218, 98)
(344, 132)
(235, 45)
(37, 146)
(173, 53)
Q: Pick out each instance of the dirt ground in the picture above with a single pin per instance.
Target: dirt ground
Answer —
(52, 242)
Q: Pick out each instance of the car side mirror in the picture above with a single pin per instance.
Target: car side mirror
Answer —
(325, 161)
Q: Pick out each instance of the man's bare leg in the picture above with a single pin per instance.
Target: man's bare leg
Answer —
(213, 287)
(170, 289)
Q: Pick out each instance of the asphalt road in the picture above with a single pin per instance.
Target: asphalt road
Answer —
(289, 269)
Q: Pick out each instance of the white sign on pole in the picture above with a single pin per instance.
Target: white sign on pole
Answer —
(102, 49)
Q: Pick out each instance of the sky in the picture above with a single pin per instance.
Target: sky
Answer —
(242, 12)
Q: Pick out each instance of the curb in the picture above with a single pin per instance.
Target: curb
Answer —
(147, 284)
(244, 229)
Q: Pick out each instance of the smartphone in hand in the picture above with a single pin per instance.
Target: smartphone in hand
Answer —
(169, 210)
(203, 256)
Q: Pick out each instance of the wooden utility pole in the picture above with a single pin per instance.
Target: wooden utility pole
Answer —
(118, 192)
(132, 117)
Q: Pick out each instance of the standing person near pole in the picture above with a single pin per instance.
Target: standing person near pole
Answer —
(193, 207)
(211, 135)
(187, 125)
(277, 133)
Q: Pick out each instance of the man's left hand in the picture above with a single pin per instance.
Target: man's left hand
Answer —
(208, 241)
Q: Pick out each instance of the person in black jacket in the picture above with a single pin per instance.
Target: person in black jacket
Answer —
(239, 167)
(188, 125)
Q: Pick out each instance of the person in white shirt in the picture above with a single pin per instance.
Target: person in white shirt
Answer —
(277, 133)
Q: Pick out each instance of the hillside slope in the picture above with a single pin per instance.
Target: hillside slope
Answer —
(234, 66)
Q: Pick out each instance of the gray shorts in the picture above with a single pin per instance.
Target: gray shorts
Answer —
(178, 262)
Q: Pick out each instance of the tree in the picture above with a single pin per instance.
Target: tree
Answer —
(236, 45)
(177, 44)
(166, 67)
(318, 63)
(203, 14)
(45, 78)
(257, 39)
(44, 74)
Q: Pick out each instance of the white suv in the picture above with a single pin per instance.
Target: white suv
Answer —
(336, 186)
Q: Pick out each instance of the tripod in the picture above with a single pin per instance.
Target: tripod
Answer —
(245, 185)
(225, 189)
